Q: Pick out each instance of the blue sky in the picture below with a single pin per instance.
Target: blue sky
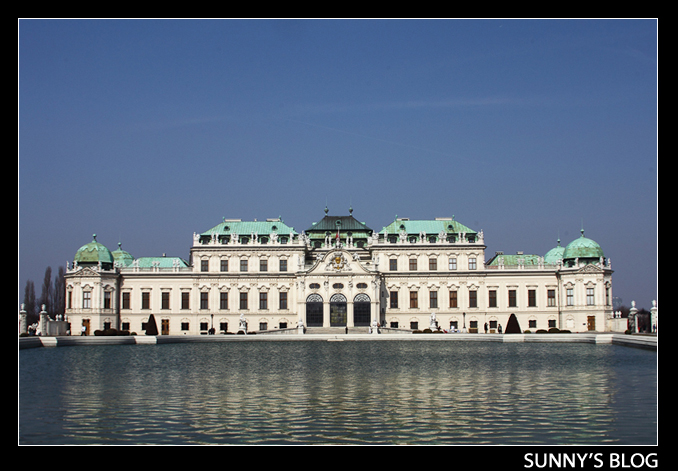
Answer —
(145, 131)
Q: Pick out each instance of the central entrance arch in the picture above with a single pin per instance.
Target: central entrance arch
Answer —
(338, 310)
(314, 310)
(361, 310)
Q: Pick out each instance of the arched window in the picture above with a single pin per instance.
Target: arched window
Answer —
(338, 298)
(314, 310)
(361, 310)
(314, 298)
(361, 298)
(338, 310)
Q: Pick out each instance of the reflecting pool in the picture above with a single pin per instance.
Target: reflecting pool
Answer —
(351, 392)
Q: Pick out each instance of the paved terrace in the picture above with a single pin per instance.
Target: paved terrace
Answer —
(639, 341)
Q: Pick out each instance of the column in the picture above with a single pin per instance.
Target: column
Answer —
(326, 312)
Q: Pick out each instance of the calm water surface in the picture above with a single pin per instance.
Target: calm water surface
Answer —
(314, 392)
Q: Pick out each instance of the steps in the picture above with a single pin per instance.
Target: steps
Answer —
(337, 330)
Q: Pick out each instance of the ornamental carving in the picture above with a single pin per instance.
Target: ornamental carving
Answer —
(338, 262)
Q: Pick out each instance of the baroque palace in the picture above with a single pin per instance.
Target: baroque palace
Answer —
(263, 276)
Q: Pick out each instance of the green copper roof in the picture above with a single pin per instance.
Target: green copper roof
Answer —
(343, 223)
(514, 260)
(449, 226)
(94, 252)
(342, 234)
(554, 255)
(121, 257)
(230, 227)
(583, 248)
(161, 262)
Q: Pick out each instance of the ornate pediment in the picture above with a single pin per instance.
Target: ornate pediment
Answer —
(590, 268)
(338, 261)
(86, 271)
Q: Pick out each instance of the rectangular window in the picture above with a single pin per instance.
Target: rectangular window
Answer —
(125, 300)
(492, 298)
(263, 300)
(433, 299)
(243, 300)
(243, 265)
(453, 299)
(393, 264)
(86, 299)
(263, 265)
(165, 300)
(452, 264)
(223, 300)
(107, 299)
(184, 326)
(204, 265)
(590, 296)
(472, 263)
(224, 265)
(414, 325)
(551, 297)
(413, 264)
(283, 300)
(263, 325)
(472, 299)
(393, 296)
(532, 323)
(552, 323)
(432, 264)
(570, 296)
(283, 265)
(414, 299)
(513, 301)
(204, 300)
(532, 297)
(145, 300)
(185, 300)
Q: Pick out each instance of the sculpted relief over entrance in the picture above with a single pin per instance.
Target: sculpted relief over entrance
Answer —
(337, 261)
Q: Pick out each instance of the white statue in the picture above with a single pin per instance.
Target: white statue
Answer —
(433, 323)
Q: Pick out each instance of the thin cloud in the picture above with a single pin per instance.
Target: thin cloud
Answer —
(405, 105)
(386, 141)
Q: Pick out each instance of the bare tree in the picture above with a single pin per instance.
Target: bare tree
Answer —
(29, 302)
(59, 293)
(46, 295)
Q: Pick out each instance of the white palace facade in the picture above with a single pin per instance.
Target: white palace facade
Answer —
(339, 275)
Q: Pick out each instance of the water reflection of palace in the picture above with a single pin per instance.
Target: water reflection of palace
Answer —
(341, 274)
